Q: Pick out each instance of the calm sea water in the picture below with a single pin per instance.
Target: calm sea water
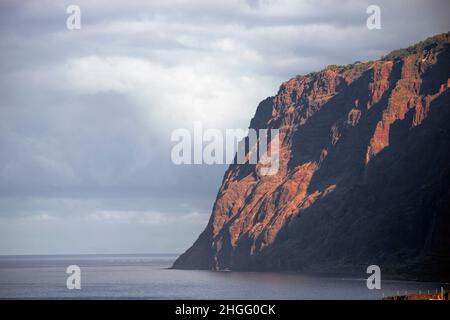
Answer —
(147, 277)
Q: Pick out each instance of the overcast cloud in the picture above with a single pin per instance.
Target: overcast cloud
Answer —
(86, 115)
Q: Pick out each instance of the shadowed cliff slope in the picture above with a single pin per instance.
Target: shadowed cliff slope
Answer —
(364, 175)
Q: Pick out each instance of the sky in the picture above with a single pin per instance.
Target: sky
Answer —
(86, 115)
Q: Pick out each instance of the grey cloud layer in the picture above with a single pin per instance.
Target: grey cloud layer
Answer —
(86, 115)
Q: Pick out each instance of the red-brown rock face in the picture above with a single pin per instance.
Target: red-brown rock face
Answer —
(364, 174)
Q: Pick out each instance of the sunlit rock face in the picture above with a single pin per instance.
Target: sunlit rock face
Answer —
(364, 174)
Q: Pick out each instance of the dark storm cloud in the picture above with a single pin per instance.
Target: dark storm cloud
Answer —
(86, 115)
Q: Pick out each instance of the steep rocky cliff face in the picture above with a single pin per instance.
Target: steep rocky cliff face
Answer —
(364, 174)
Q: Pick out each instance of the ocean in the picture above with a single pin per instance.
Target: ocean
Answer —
(148, 277)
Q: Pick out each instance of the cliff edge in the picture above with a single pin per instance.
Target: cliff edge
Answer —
(364, 175)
